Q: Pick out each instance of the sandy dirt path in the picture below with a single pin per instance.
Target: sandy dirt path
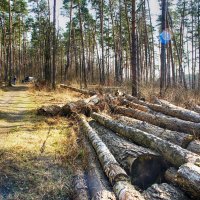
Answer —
(33, 149)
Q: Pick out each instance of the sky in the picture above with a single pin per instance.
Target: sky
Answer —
(61, 20)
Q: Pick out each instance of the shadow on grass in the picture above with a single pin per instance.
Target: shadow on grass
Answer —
(25, 175)
(15, 88)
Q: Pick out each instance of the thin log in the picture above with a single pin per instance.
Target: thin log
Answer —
(187, 177)
(164, 191)
(197, 109)
(194, 146)
(161, 120)
(80, 189)
(171, 152)
(111, 167)
(99, 186)
(144, 166)
(82, 91)
(175, 111)
(130, 104)
(181, 139)
(135, 100)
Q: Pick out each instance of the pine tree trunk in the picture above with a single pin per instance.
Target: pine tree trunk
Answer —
(171, 152)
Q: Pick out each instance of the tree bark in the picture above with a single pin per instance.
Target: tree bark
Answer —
(175, 111)
(117, 176)
(194, 146)
(161, 120)
(187, 177)
(181, 139)
(134, 51)
(80, 189)
(171, 152)
(144, 166)
(164, 191)
(99, 187)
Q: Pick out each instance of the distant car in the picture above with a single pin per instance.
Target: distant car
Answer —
(28, 79)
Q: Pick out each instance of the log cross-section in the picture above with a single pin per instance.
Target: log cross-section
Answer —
(171, 152)
(144, 166)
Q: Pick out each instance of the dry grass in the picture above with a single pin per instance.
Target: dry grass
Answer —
(178, 96)
(38, 154)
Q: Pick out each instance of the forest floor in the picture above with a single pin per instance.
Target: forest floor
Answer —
(37, 154)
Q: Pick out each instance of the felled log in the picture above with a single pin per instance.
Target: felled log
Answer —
(126, 191)
(164, 191)
(175, 111)
(82, 91)
(135, 100)
(194, 146)
(171, 152)
(187, 177)
(197, 108)
(181, 139)
(50, 111)
(144, 166)
(84, 106)
(98, 185)
(161, 120)
(80, 189)
(111, 167)
(130, 104)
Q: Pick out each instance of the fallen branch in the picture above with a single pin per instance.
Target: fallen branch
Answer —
(82, 91)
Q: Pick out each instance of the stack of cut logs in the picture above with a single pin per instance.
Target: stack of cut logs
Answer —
(138, 150)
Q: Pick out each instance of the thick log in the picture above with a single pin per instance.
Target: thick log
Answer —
(80, 189)
(187, 177)
(161, 120)
(99, 186)
(84, 106)
(144, 166)
(82, 91)
(50, 111)
(111, 167)
(181, 139)
(171, 152)
(194, 146)
(164, 191)
(175, 111)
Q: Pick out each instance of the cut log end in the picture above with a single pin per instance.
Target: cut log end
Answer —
(49, 111)
(146, 170)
